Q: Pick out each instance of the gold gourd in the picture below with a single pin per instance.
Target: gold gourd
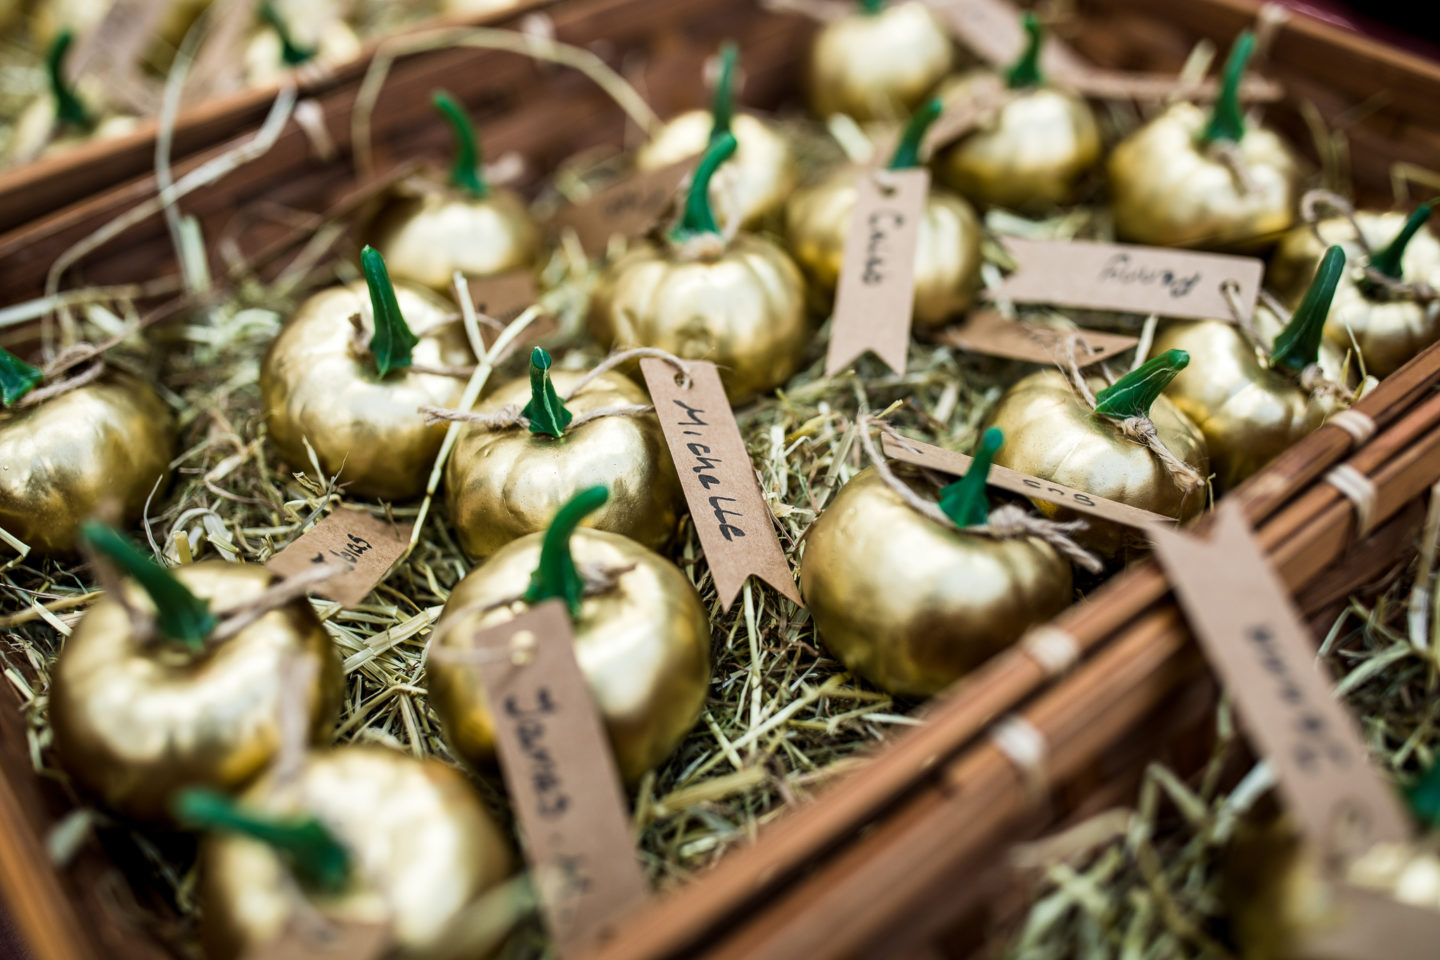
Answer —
(64, 115)
(1032, 154)
(947, 253)
(1171, 185)
(467, 224)
(1389, 326)
(139, 718)
(911, 605)
(754, 185)
(294, 33)
(50, 18)
(877, 62)
(362, 418)
(738, 302)
(643, 642)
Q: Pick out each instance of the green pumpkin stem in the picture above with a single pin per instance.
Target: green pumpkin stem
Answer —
(545, 411)
(393, 340)
(69, 110)
(556, 575)
(291, 52)
(1423, 797)
(964, 501)
(1298, 345)
(1026, 71)
(1132, 394)
(722, 107)
(179, 614)
(698, 216)
(1227, 120)
(318, 860)
(1387, 261)
(17, 378)
(465, 172)
(871, 7)
(907, 152)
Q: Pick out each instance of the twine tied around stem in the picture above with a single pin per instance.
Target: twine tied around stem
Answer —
(1312, 378)
(1227, 154)
(363, 328)
(1312, 205)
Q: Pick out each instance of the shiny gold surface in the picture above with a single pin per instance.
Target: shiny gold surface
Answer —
(1030, 157)
(62, 460)
(315, 24)
(1249, 413)
(1051, 434)
(912, 606)
(1388, 331)
(313, 386)
(1169, 191)
(504, 484)
(424, 850)
(947, 253)
(743, 311)
(425, 239)
(136, 722)
(35, 133)
(643, 646)
(877, 66)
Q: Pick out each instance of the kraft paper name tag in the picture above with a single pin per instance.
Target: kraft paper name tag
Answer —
(364, 547)
(504, 296)
(561, 775)
(992, 29)
(1120, 85)
(1133, 279)
(314, 938)
(735, 525)
(112, 53)
(219, 63)
(628, 208)
(1255, 641)
(948, 461)
(987, 332)
(1369, 924)
(876, 293)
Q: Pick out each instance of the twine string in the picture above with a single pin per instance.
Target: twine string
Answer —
(1311, 206)
(1312, 378)
(1227, 154)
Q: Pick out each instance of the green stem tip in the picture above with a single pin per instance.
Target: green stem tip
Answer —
(556, 575)
(393, 340)
(698, 216)
(722, 106)
(465, 172)
(291, 52)
(907, 152)
(964, 501)
(1026, 71)
(1132, 394)
(1227, 120)
(871, 7)
(17, 378)
(1387, 261)
(1423, 797)
(545, 411)
(319, 861)
(1298, 345)
(179, 614)
(69, 110)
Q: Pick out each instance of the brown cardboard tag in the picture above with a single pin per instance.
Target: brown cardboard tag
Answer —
(627, 208)
(877, 280)
(948, 461)
(1122, 85)
(504, 296)
(1368, 924)
(313, 938)
(1254, 639)
(561, 775)
(219, 66)
(364, 546)
(992, 29)
(1134, 279)
(736, 527)
(114, 50)
(987, 332)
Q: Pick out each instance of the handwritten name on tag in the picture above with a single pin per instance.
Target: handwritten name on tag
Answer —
(987, 332)
(876, 293)
(1133, 279)
(628, 208)
(557, 763)
(735, 525)
(312, 937)
(1254, 639)
(363, 546)
(948, 461)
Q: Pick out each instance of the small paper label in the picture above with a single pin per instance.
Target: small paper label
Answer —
(113, 50)
(219, 66)
(504, 296)
(362, 546)
(955, 464)
(994, 31)
(1368, 924)
(736, 527)
(1133, 279)
(313, 937)
(628, 208)
(987, 332)
(876, 294)
(1255, 641)
(1120, 85)
(561, 775)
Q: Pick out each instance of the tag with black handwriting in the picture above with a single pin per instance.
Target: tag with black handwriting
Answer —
(363, 546)
(987, 332)
(628, 208)
(735, 526)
